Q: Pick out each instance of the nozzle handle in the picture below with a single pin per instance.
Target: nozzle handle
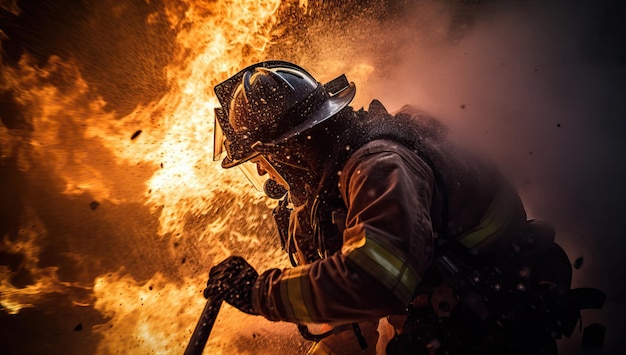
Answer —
(205, 325)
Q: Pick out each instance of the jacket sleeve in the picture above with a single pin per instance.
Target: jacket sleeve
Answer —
(387, 245)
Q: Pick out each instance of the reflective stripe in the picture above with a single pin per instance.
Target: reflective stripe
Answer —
(295, 294)
(384, 264)
(495, 220)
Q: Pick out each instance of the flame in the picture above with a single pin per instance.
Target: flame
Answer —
(160, 156)
(139, 306)
(162, 316)
(217, 35)
(159, 159)
(47, 280)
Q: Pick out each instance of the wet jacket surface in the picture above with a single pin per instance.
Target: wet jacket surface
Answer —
(397, 203)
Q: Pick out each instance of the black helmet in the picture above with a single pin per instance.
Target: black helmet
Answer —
(270, 102)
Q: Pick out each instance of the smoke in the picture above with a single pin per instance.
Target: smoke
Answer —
(537, 86)
(540, 89)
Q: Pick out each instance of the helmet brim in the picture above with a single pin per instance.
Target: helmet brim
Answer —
(328, 109)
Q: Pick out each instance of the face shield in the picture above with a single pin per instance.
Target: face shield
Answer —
(256, 168)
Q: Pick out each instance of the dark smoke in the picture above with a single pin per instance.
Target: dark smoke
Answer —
(123, 59)
(539, 86)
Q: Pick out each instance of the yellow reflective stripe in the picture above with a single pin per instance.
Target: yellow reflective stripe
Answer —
(385, 265)
(496, 218)
(295, 293)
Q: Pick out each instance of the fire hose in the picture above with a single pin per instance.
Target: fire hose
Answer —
(204, 326)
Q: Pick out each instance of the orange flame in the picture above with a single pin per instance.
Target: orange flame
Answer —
(170, 160)
(28, 244)
(216, 39)
(217, 35)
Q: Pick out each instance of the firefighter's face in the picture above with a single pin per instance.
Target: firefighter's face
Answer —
(265, 168)
(261, 167)
(260, 170)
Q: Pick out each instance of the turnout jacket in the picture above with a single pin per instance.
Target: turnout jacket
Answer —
(397, 189)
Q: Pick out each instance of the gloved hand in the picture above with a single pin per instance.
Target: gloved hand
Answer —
(232, 280)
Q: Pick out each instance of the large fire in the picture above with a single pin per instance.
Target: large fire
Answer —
(159, 159)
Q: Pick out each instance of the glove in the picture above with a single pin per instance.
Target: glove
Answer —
(232, 280)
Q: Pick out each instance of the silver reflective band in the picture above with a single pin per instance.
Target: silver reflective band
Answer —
(387, 265)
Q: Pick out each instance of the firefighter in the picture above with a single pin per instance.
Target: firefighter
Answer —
(394, 232)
